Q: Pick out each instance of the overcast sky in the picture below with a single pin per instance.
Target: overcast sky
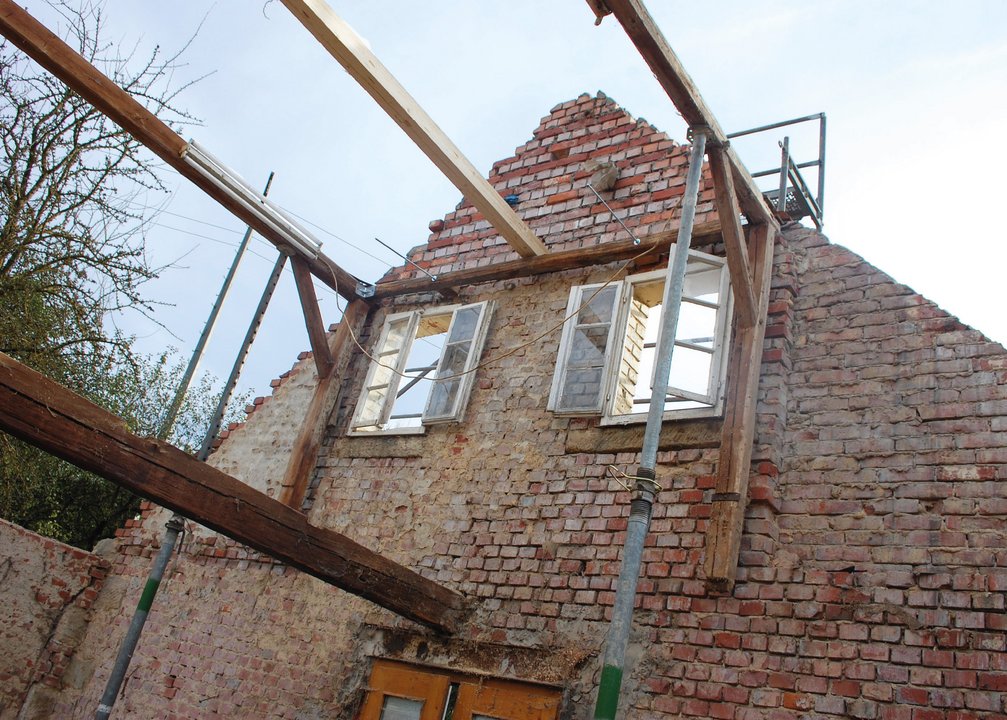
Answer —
(915, 93)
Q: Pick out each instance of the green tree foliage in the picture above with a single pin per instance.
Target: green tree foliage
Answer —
(54, 498)
(74, 196)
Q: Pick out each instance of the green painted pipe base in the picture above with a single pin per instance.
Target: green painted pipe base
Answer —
(608, 693)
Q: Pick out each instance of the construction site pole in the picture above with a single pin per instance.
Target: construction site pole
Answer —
(646, 487)
(197, 354)
(175, 524)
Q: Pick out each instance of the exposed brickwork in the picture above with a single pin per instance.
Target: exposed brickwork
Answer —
(873, 572)
(549, 174)
(46, 593)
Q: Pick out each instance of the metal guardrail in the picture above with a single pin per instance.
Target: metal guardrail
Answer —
(793, 195)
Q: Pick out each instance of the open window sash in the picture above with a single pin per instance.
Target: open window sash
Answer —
(587, 350)
(459, 358)
(385, 371)
(707, 287)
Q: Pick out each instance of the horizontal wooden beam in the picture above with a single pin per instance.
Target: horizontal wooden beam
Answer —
(61, 60)
(340, 40)
(734, 238)
(553, 262)
(669, 71)
(734, 466)
(49, 416)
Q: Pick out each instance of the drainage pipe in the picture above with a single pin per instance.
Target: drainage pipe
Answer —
(645, 491)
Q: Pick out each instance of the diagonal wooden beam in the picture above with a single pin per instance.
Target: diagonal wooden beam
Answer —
(745, 307)
(363, 66)
(723, 535)
(312, 317)
(304, 454)
(650, 247)
(48, 415)
(61, 60)
(669, 71)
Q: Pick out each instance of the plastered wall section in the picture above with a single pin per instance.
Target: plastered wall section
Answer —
(46, 594)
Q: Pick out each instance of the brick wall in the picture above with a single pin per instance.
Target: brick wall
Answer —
(872, 575)
(46, 593)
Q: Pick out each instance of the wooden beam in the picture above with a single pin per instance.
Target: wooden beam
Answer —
(363, 66)
(734, 238)
(669, 71)
(312, 317)
(653, 245)
(723, 535)
(57, 57)
(304, 454)
(49, 416)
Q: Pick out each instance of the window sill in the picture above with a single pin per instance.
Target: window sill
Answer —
(669, 416)
(695, 433)
(390, 431)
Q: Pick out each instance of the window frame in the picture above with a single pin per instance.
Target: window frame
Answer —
(616, 348)
(413, 319)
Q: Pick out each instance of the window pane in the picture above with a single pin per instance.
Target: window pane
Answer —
(697, 324)
(581, 388)
(690, 370)
(401, 709)
(374, 402)
(465, 324)
(588, 346)
(454, 361)
(599, 309)
(702, 281)
(442, 398)
(396, 337)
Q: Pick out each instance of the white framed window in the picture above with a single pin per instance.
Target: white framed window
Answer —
(421, 371)
(607, 350)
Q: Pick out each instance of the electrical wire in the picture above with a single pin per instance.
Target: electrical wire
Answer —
(510, 351)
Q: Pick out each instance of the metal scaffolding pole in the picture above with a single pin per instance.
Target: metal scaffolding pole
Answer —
(645, 491)
(175, 524)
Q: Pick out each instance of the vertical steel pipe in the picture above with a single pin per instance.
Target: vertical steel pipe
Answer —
(175, 524)
(821, 167)
(183, 385)
(645, 491)
(239, 360)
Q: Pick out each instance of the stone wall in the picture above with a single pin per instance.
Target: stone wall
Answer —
(46, 594)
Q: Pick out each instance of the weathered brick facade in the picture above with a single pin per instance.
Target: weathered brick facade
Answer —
(873, 568)
(47, 590)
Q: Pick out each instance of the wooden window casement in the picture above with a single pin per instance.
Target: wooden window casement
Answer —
(607, 350)
(422, 369)
(397, 691)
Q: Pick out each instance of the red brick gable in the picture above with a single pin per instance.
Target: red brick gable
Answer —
(549, 175)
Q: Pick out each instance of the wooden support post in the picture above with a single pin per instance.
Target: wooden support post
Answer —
(723, 535)
(304, 454)
(51, 417)
(340, 40)
(57, 57)
(669, 71)
(652, 245)
(734, 238)
(312, 317)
